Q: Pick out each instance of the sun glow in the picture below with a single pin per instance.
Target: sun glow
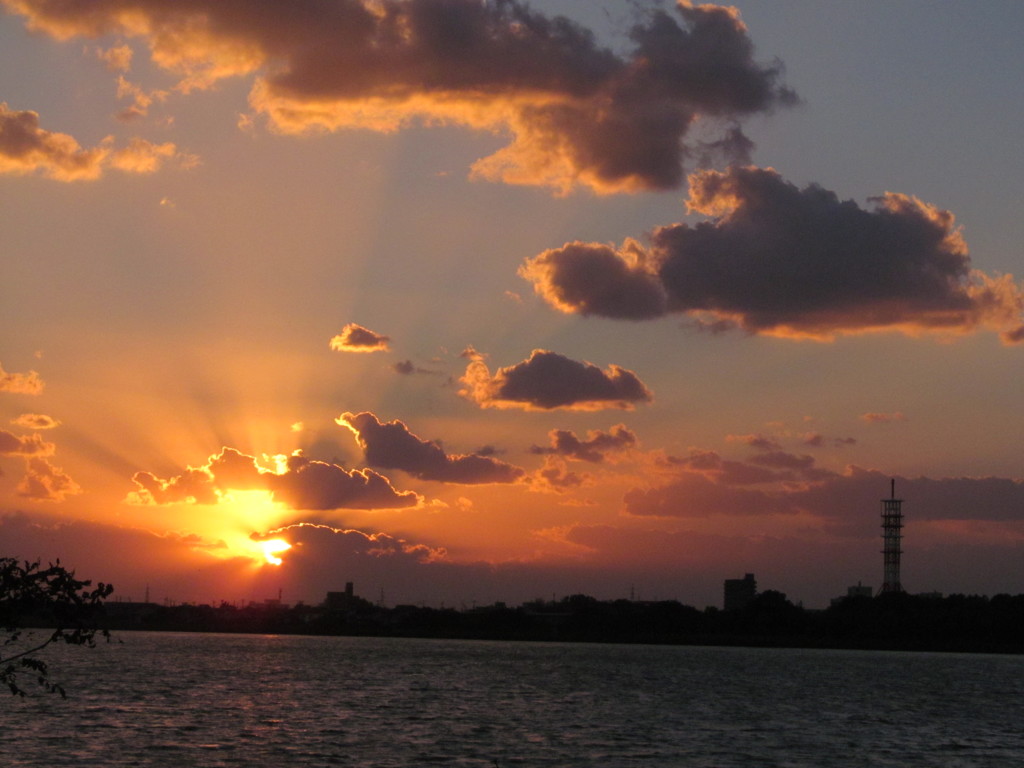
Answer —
(271, 547)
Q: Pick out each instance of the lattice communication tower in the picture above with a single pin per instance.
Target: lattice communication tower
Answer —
(892, 536)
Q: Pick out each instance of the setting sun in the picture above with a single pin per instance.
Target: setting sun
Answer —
(271, 547)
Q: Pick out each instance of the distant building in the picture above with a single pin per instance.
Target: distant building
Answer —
(851, 592)
(739, 592)
(340, 601)
(859, 591)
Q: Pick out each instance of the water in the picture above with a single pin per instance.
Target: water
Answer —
(170, 699)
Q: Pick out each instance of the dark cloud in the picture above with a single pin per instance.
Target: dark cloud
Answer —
(547, 380)
(693, 494)
(301, 484)
(408, 368)
(780, 260)
(593, 449)
(393, 446)
(355, 338)
(21, 383)
(577, 113)
(757, 442)
(725, 471)
(782, 460)
(596, 279)
(848, 500)
(818, 440)
(311, 484)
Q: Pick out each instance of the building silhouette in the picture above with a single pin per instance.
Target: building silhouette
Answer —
(861, 590)
(739, 592)
(341, 601)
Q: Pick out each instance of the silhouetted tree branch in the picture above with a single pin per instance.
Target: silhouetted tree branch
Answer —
(50, 597)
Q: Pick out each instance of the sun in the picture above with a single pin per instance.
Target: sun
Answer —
(271, 547)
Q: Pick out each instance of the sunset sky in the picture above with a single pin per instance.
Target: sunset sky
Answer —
(478, 301)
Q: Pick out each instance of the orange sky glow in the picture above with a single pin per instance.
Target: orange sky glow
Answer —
(471, 302)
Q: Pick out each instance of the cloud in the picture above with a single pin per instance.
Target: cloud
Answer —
(26, 148)
(21, 383)
(141, 100)
(355, 338)
(757, 442)
(404, 368)
(547, 380)
(577, 113)
(45, 482)
(393, 446)
(882, 418)
(35, 421)
(408, 368)
(318, 485)
(118, 58)
(783, 460)
(693, 494)
(299, 482)
(555, 477)
(783, 261)
(594, 449)
(596, 279)
(313, 536)
(848, 501)
(725, 471)
(26, 445)
(141, 156)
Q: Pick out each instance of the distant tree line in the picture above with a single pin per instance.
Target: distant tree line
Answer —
(894, 621)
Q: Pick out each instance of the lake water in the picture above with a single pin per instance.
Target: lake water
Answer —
(172, 699)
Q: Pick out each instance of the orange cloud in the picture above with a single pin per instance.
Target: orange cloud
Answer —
(35, 421)
(355, 338)
(21, 383)
(141, 156)
(117, 58)
(27, 445)
(782, 261)
(547, 380)
(577, 113)
(300, 483)
(45, 482)
(141, 100)
(882, 418)
(26, 148)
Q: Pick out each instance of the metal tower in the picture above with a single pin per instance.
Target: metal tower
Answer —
(892, 534)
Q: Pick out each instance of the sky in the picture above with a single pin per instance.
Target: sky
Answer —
(468, 302)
